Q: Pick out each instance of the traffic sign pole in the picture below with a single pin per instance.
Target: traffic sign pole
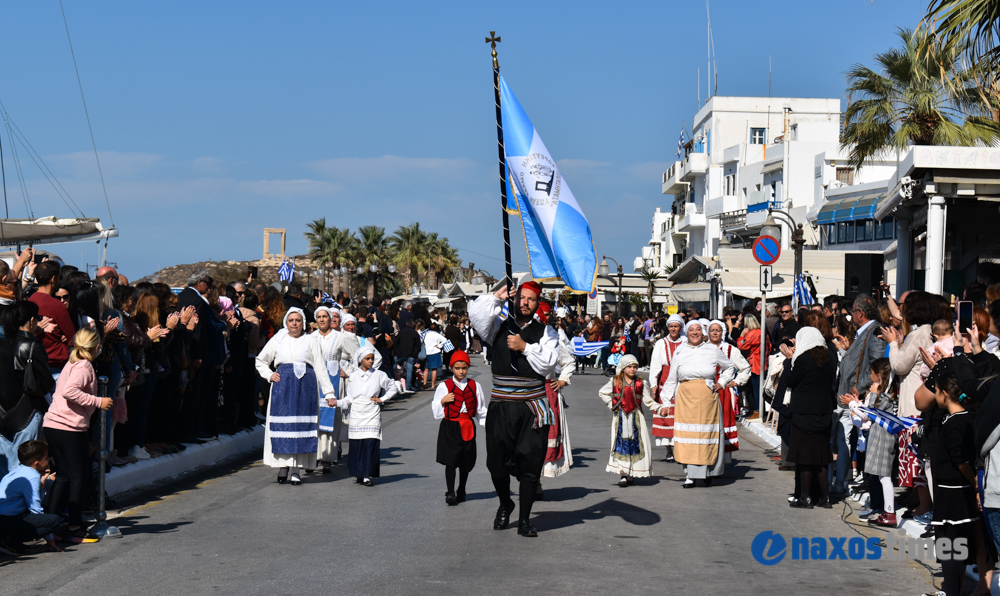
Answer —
(763, 344)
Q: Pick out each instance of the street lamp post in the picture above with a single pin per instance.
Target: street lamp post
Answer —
(605, 271)
(798, 241)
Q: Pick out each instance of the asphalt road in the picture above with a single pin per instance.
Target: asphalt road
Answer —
(242, 533)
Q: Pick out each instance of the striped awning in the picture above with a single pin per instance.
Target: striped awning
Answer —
(825, 215)
(844, 210)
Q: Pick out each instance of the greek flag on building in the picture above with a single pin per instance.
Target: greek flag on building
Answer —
(680, 143)
(556, 232)
(286, 271)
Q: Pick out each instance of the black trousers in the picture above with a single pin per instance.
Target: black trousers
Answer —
(513, 447)
(69, 453)
(246, 396)
(30, 526)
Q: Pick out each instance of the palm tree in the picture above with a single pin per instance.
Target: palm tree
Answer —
(373, 249)
(409, 243)
(650, 276)
(921, 96)
(973, 25)
(330, 246)
(442, 258)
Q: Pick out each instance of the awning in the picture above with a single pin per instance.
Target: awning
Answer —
(747, 285)
(772, 167)
(692, 292)
(844, 210)
(825, 215)
(690, 269)
(866, 206)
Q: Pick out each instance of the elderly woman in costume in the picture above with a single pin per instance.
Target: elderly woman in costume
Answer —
(659, 369)
(337, 348)
(625, 395)
(730, 392)
(290, 438)
(699, 436)
(367, 389)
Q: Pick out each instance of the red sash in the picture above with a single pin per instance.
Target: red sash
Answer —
(663, 426)
(730, 406)
(453, 411)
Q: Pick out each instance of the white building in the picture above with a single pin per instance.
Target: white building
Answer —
(735, 166)
(666, 244)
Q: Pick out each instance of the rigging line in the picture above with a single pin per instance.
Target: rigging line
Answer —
(51, 178)
(42, 165)
(489, 256)
(20, 173)
(87, 114)
(3, 176)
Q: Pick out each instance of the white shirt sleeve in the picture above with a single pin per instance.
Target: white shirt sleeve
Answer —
(742, 366)
(387, 385)
(543, 356)
(670, 385)
(266, 357)
(315, 358)
(436, 408)
(481, 413)
(483, 313)
(727, 367)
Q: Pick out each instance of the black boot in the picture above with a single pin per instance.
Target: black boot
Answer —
(503, 517)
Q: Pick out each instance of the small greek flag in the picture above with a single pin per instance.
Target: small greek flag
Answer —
(586, 348)
(505, 312)
(286, 271)
(890, 422)
(680, 143)
(802, 292)
(326, 297)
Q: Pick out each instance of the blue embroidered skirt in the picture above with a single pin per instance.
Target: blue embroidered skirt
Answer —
(294, 412)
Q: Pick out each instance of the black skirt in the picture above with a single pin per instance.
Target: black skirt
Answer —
(809, 449)
(363, 458)
(452, 450)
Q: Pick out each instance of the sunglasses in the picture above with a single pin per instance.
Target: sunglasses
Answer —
(64, 297)
(785, 312)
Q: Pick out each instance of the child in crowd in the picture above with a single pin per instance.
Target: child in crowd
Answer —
(65, 427)
(21, 516)
(953, 469)
(367, 389)
(880, 445)
(625, 394)
(458, 403)
(944, 337)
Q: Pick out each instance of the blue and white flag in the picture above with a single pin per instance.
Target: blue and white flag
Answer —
(326, 298)
(286, 271)
(890, 422)
(586, 348)
(556, 232)
(802, 291)
(680, 144)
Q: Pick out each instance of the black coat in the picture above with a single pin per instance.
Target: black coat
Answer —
(407, 343)
(16, 405)
(812, 386)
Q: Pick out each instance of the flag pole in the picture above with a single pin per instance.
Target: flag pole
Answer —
(493, 40)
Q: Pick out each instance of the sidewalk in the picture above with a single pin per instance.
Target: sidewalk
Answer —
(147, 473)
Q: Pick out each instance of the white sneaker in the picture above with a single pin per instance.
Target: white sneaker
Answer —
(138, 452)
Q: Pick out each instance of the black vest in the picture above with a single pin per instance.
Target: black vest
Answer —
(514, 364)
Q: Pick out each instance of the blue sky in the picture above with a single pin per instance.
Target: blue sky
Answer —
(217, 119)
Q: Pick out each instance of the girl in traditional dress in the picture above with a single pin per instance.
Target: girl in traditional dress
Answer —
(729, 395)
(290, 437)
(659, 369)
(625, 395)
(699, 436)
(459, 404)
(337, 348)
(367, 389)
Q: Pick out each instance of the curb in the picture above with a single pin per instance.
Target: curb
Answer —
(763, 432)
(147, 473)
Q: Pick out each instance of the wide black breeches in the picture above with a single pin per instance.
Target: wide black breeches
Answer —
(512, 446)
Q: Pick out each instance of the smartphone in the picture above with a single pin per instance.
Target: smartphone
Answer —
(315, 293)
(251, 272)
(964, 309)
(39, 257)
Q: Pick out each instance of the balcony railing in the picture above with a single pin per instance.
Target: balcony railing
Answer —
(733, 220)
(671, 171)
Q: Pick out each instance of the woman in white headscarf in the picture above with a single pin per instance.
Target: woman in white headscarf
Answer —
(367, 389)
(659, 369)
(625, 395)
(290, 437)
(337, 348)
(699, 436)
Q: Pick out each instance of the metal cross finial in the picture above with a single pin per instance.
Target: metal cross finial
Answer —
(493, 40)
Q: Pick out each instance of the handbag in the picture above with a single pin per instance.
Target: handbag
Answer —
(35, 382)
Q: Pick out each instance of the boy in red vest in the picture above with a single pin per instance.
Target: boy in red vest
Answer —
(459, 403)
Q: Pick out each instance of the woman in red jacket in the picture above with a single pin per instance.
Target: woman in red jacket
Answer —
(750, 341)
